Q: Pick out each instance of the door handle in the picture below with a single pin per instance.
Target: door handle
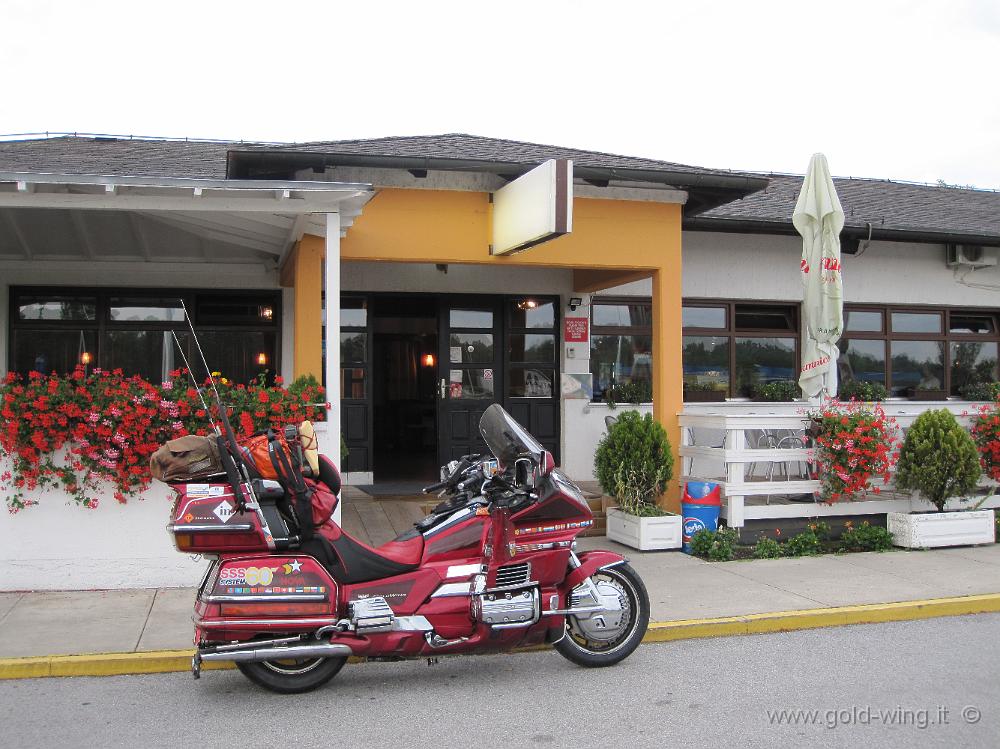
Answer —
(443, 388)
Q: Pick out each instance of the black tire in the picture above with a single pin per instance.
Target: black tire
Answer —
(292, 677)
(576, 647)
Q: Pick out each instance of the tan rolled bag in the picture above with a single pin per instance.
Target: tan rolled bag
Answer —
(186, 458)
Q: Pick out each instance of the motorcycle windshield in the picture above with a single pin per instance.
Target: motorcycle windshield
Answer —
(507, 439)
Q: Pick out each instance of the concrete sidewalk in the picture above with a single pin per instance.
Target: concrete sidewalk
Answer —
(680, 588)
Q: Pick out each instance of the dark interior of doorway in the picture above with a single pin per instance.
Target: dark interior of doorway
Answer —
(404, 382)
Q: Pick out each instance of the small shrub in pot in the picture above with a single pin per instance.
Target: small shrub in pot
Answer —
(938, 459)
(779, 391)
(859, 390)
(634, 458)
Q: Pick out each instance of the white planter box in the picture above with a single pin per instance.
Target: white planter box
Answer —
(645, 534)
(928, 530)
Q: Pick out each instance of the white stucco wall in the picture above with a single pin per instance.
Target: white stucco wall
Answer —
(58, 545)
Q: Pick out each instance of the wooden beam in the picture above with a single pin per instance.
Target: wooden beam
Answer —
(586, 280)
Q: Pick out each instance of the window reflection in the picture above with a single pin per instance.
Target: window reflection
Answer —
(917, 365)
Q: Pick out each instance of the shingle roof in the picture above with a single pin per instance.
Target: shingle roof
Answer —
(891, 208)
(477, 147)
(116, 157)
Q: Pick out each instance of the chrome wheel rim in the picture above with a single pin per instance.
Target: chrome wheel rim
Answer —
(291, 667)
(582, 636)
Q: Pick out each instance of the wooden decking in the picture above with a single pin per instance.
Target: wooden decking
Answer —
(376, 521)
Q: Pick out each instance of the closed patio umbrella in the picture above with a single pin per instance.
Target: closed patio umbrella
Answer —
(818, 217)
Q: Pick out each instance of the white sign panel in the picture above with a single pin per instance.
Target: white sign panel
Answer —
(534, 208)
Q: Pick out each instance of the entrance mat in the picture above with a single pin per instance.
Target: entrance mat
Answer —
(395, 489)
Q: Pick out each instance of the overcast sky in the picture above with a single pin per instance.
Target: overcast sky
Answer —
(885, 88)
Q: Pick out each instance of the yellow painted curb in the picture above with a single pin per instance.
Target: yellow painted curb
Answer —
(166, 661)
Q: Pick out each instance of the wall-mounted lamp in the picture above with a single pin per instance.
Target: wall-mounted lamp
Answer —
(427, 360)
(262, 359)
(526, 304)
(86, 357)
(267, 313)
(574, 302)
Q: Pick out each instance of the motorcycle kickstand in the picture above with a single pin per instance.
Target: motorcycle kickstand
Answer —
(196, 666)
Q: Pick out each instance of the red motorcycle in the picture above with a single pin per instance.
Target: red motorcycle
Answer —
(289, 597)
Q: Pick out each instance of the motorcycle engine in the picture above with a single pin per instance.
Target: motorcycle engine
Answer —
(508, 608)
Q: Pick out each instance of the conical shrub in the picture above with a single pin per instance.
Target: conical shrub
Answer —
(938, 459)
(633, 461)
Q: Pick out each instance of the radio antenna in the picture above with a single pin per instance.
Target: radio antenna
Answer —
(208, 411)
(227, 431)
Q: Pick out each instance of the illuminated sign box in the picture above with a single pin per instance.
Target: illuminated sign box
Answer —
(534, 208)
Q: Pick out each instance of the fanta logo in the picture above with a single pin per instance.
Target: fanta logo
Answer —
(693, 525)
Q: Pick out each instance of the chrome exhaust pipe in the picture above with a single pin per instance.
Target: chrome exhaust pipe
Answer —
(317, 650)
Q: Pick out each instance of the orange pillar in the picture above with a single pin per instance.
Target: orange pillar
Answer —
(668, 386)
(307, 280)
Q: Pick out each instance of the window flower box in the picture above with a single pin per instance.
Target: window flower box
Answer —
(645, 533)
(929, 530)
(704, 396)
(918, 394)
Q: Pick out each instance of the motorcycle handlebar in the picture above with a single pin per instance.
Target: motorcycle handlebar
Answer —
(435, 487)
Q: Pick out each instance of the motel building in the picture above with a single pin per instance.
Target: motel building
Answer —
(423, 278)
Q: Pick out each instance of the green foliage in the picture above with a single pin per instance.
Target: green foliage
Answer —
(634, 456)
(702, 387)
(996, 517)
(980, 391)
(767, 548)
(805, 544)
(719, 546)
(821, 530)
(866, 537)
(629, 392)
(344, 452)
(302, 383)
(858, 390)
(781, 391)
(938, 459)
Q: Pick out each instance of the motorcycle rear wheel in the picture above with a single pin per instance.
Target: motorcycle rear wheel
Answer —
(577, 647)
(292, 676)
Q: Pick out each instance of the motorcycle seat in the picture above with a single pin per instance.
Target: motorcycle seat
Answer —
(357, 562)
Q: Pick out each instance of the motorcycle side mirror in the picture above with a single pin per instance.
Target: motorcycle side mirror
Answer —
(524, 473)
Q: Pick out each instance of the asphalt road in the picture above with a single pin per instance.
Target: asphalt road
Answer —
(927, 683)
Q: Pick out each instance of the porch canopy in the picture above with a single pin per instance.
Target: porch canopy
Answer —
(83, 219)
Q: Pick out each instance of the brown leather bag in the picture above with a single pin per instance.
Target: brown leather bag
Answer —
(186, 458)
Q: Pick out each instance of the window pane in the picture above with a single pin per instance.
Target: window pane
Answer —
(862, 321)
(623, 315)
(353, 312)
(706, 361)
(352, 383)
(763, 360)
(530, 383)
(862, 360)
(470, 318)
(55, 307)
(46, 351)
(917, 364)
(916, 322)
(471, 348)
(353, 347)
(470, 383)
(532, 347)
(235, 310)
(524, 315)
(971, 363)
(151, 354)
(236, 354)
(981, 324)
(148, 309)
(620, 359)
(758, 317)
(704, 317)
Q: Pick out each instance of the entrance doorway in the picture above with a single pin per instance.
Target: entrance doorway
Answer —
(418, 370)
(404, 377)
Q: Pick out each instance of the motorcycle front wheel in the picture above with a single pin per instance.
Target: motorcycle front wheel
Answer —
(292, 676)
(587, 644)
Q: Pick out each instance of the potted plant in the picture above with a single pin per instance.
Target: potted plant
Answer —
(854, 444)
(859, 390)
(939, 461)
(635, 393)
(780, 391)
(927, 393)
(633, 463)
(980, 391)
(703, 392)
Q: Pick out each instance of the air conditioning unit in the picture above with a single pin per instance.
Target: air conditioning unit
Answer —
(974, 255)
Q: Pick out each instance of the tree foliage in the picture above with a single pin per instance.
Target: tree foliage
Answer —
(635, 452)
(938, 459)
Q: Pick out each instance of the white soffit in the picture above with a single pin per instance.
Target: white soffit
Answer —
(534, 208)
(95, 218)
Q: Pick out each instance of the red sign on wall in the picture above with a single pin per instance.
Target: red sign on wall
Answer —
(576, 329)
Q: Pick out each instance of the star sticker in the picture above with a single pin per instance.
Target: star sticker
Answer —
(295, 566)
